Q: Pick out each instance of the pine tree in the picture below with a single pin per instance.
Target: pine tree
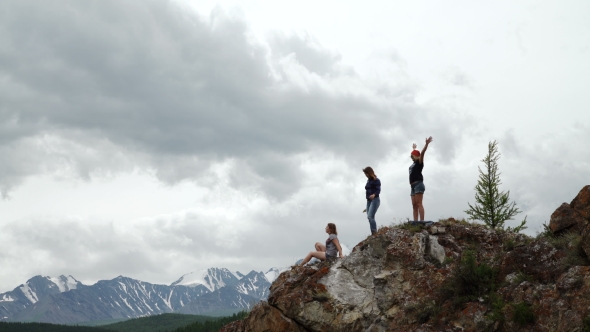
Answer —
(491, 205)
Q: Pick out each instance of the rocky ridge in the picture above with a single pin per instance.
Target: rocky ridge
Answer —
(452, 276)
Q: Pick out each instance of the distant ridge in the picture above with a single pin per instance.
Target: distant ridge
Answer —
(64, 300)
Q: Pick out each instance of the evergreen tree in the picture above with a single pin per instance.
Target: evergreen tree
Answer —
(491, 205)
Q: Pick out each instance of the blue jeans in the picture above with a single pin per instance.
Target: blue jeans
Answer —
(372, 207)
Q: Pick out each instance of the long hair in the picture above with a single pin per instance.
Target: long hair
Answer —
(332, 228)
(369, 171)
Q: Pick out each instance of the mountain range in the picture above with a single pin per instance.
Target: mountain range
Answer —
(65, 300)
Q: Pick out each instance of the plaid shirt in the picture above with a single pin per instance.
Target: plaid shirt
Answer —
(373, 187)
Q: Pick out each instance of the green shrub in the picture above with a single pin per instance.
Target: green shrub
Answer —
(523, 314)
(410, 227)
(469, 281)
(586, 324)
(427, 312)
(448, 260)
(497, 308)
(565, 240)
(546, 232)
(509, 245)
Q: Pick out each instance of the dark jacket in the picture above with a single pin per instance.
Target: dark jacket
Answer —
(373, 187)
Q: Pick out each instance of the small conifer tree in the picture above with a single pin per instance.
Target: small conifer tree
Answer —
(491, 205)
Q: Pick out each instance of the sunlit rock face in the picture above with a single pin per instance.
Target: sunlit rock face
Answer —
(406, 279)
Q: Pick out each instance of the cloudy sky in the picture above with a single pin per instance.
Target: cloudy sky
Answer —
(151, 138)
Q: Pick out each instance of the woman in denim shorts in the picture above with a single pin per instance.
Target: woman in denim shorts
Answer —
(417, 181)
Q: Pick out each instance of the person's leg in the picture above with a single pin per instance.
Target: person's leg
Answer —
(320, 247)
(419, 190)
(419, 209)
(371, 210)
(367, 210)
(317, 254)
(414, 207)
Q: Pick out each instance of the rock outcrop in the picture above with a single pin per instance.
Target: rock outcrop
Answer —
(574, 215)
(452, 276)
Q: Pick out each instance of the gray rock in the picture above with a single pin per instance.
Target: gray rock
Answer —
(435, 250)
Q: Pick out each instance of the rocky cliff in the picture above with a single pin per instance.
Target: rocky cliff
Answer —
(452, 276)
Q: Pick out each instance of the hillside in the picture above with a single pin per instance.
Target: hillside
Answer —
(452, 276)
(46, 327)
(155, 323)
(170, 322)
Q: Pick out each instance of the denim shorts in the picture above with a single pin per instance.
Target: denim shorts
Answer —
(417, 188)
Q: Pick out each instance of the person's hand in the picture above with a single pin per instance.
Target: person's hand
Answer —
(414, 146)
(372, 196)
(428, 140)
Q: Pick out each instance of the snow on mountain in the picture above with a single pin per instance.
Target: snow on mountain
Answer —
(272, 274)
(33, 291)
(254, 284)
(118, 298)
(238, 274)
(6, 298)
(212, 278)
(64, 283)
(65, 300)
(29, 293)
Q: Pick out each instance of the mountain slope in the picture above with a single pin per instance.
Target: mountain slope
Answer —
(121, 297)
(64, 300)
(212, 278)
(34, 290)
(223, 298)
(254, 284)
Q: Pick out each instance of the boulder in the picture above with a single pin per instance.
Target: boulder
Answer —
(585, 242)
(539, 259)
(263, 318)
(582, 203)
(565, 217)
(435, 250)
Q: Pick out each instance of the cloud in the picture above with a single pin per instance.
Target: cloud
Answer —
(173, 92)
(273, 133)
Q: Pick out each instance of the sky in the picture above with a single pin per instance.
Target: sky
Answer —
(152, 138)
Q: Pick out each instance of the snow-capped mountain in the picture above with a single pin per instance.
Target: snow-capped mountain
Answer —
(221, 299)
(121, 297)
(212, 278)
(272, 274)
(254, 284)
(65, 300)
(32, 291)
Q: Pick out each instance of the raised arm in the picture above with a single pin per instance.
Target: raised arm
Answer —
(337, 243)
(428, 140)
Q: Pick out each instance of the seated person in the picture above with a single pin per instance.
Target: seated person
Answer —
(328, 251)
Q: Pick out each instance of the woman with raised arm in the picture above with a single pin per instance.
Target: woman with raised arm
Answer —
(328, 251)
(372, 191)
(417, 181)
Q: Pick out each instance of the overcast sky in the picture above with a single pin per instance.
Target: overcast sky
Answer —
(153, 138)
